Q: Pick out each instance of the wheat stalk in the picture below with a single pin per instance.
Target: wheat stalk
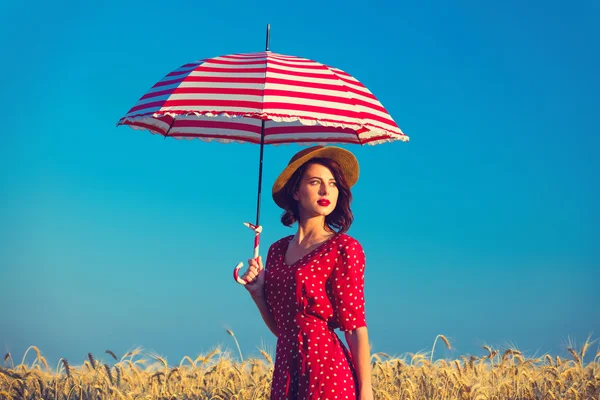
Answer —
(435, 341)
(230, 332)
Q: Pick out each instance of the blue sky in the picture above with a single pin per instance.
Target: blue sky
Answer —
(483, 228)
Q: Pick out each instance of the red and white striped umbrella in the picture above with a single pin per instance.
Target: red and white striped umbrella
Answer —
(263, 98)
(226, 99)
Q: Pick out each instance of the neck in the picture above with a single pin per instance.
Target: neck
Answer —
(312, 230)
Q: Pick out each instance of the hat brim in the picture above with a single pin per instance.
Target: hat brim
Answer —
(346, 160)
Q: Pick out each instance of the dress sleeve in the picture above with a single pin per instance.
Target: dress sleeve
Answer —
(347, 286)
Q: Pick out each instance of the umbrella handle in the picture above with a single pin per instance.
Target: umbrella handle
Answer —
(257, 230)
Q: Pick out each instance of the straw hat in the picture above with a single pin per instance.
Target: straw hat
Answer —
(346, 160)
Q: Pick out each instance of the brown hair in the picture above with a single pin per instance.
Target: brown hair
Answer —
(341, 218)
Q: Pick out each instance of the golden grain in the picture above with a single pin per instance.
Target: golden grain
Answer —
(225, 378)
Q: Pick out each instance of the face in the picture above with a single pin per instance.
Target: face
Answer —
(317, 192)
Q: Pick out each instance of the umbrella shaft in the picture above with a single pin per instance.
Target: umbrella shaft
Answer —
(260, 167)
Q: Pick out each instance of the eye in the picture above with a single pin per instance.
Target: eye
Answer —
(333, 183)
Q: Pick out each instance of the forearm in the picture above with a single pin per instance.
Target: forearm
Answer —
(261, 303)
(358, 341)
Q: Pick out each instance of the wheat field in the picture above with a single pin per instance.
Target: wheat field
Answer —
(499, 374)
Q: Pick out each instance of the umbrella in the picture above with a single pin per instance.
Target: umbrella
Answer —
(263, 98)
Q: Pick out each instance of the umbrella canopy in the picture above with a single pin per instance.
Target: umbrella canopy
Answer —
(227, 98)
(263, 98)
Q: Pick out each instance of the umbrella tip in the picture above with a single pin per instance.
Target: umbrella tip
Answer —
(268, 35)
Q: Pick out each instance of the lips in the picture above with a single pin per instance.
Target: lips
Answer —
(323, 202)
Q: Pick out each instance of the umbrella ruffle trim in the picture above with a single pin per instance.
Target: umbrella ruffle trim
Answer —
(373, 129)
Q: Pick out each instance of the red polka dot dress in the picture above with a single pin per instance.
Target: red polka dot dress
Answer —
(318, 293)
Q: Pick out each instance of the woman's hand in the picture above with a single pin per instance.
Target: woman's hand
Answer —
(255, 277)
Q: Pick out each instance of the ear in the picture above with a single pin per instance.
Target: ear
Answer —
(295, 196)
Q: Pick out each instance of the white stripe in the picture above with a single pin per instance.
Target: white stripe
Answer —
(214, 131)
(230, 120)
(234, 85)
(200, 96)
(215, 96)
(303, 89)
(151, 99)
(370, 134)
(211, 109)
(310, 102)
(357, 87)
(291, 137)
(229, 74)
(294, 60)
(324, 103)
(166, 87)
(188, 67)
(149, 120)
(233, 67)
(194, 108)
(373, 111)
(323, 71)
(241, 57)
(284, 57)
(313, 115)
(381, 125)
(334, 82)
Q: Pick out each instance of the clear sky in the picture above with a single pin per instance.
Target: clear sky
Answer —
(484, 227)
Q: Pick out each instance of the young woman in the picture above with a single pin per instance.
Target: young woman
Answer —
(314, 282)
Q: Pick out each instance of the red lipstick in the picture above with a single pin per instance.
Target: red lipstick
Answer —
(323, 202)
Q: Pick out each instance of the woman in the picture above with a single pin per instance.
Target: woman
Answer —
(314, 282)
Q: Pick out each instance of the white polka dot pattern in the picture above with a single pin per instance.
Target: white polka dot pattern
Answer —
(308, 299)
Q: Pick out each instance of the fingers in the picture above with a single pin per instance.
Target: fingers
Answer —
(255, 267)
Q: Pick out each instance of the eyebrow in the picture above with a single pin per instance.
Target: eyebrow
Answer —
(316, 177)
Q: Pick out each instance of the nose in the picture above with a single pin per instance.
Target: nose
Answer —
(323, 189)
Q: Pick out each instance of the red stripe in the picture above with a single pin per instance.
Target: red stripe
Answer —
(145, 126)
(335, 121)
(257, 141)
(284, 57)
(313, 140)
(225, 62)
(374, 138)
(386, 129)
(249, 104)
(198, 62)
(323, 97)
(357, 83)
(304, 129)
(204, 90)
(360, 93)
(309, 108)
(314, 66)
(226, 79)
(213, 136)
(178, 73)
(203, 68)
(160, 113)
(199, 103)
(245, 56)
(208, 123)
(339, 71)
(169, 82)
(213, 103)
(261, 116)
(378, 118)
(329, 76)
(314, 85)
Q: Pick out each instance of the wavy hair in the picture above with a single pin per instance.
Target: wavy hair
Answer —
(341, 217)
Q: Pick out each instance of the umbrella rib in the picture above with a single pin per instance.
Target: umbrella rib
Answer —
(170, 126)
(351, 98)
